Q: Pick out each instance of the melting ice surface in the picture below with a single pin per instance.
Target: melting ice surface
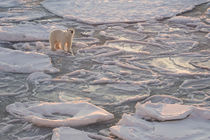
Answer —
(151, 76)
(105, 11)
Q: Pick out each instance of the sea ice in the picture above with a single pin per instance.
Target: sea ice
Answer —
(185, 20)
(67, 133)
(120, 33)
(27, 32)
(163, 99)
(37, 79)
(178, 122)
(24, 62)
(118, 11)
(208, 36)
(10, 3)
(59, 114)
(128, 46)
(195, 84)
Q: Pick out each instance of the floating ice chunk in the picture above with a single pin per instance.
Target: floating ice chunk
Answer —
(195, 84)
(102, 81)
(208, 11)
(184, 20)
(37, 137)
(203, 27)
(203, 63)
(128, 46)
(130, 99)
(37, 78)
(59, 114)
(208, 36)
(27, 32)
(189, 123)
(87, 40)
(4, 128)
(118, 11)
(24, 62)
(10, 3)
(164, 99)
(64, 133)
(163, 112)
(120, 33)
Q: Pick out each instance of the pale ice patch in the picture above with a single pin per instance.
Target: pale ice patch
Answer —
(98, 12)
(37, 79)
(195, 84)
(179, 65)
(164, 99)
(163, 112)
(24, 62)
(120, 33)
(128, 46)
(27, 32)
(185, 20)
(10, 3)
(208, 36)
(127, 100)
(185, 122)
(16, 14)
(203, 63)
(64, 133)
(59, 114)
(208, 11)
(176, 41)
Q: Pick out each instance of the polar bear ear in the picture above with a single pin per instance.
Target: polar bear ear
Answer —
(71, 30)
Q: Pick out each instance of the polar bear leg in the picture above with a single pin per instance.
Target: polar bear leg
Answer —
(69, 47)
(57, 45)
(52, 45)
(63, 45)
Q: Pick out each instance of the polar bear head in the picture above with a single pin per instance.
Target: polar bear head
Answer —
(70, 32)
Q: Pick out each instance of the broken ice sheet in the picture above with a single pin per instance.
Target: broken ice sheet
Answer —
(189, 123)
(128, 46)
(66, 133)
(176, 64)
(27, 32)
(118, 11)
(59, 114)
(195, 84)
(120, 33)
(24, 62)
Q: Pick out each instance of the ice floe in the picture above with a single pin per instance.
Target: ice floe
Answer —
(120, 33)
(195, 84)
(10, 3)
(59, 114)
(164, 99)
(37, 78)
(24, 62)
(185, 20)
(27, 32)
(64, 133)
(178, 122)
(118, 11)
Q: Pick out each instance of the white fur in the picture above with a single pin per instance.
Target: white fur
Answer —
(59, 39)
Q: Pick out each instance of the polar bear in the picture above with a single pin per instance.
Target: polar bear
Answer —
(59, 39)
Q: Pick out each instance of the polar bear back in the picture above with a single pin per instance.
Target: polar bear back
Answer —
(58, 35)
